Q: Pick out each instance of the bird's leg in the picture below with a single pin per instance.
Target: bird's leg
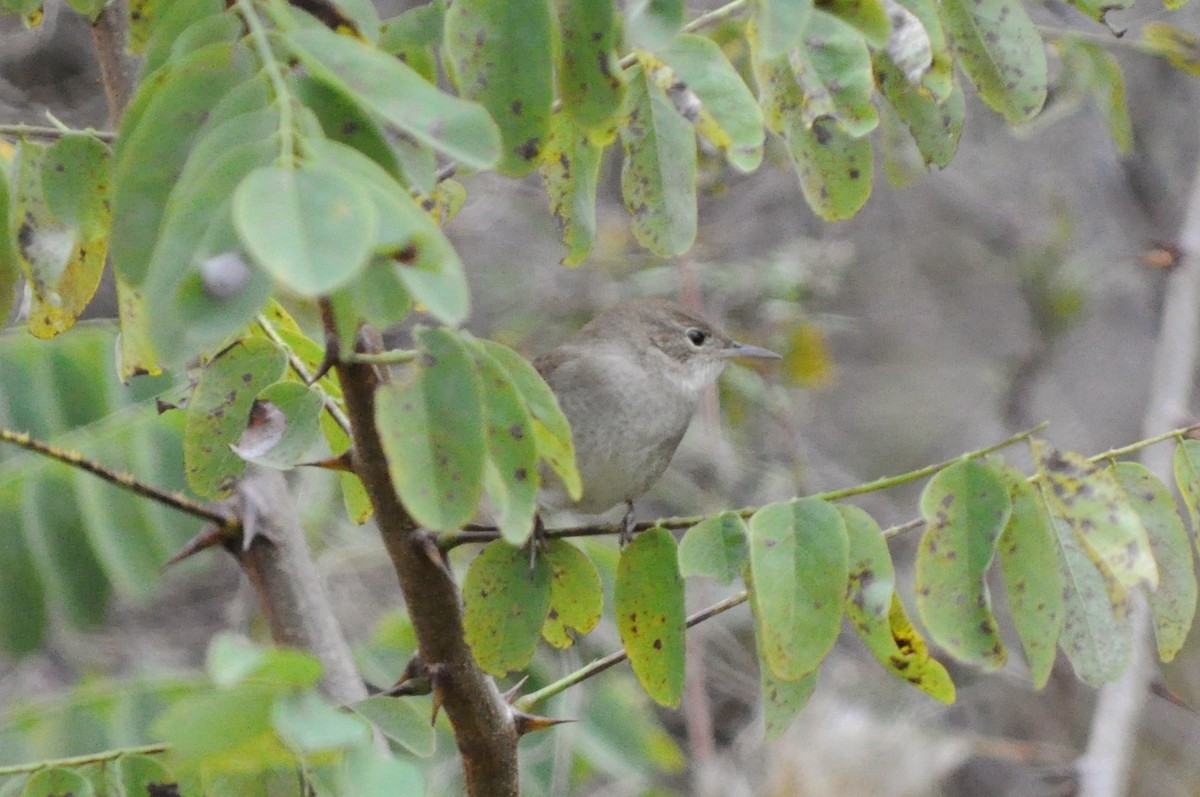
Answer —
(537, 539)
(627, 524)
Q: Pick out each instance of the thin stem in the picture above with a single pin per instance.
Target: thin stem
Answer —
(600, 665)
(41, 131)
(1110, 40)
(390, 357)
(331, 406)
(706, 20)
(448, 541)
(82, 760)
(125, 480)
(258, 34)
(914, 475)
(1113, 453)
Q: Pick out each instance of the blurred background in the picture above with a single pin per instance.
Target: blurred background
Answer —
(1024, 283)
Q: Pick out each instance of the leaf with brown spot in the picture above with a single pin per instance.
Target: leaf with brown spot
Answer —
(1088, 499)
(433, 433)
(966, 507)
(219, 410)
(570, 167)
(875, 610)
(1173, 603)
(1031, 574)
(799, 567)
(576, 596)
(648, 603)
(504, 605)
(511, 474)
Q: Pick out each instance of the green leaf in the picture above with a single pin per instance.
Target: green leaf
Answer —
(511, 475)
(1091, 70)
(284, 424)
(400, 721)
(226, 729)
(310, 725)
(1097, 633)
(835, 169)
(170, 25)
(310, 227)
(965, 507)
(432, 428)
(345, 121)
(135, 353)
(934, 128)
(142, 775)
(553, 434)
(234, 660)
(1031, 574)
(940, 77)
(57, 782)
(1173, 604)
(658, 174)
(869, 17)
(367, 772)
(833, 70)
(1087, 497)
(798, 559)
(413, 36)
(1180, 48)
(500, 55)
(908, 46)
(715, 548)
(651, 24)
(780, 24)
(354, 494)
(459, 129)
(875, 610)
(23, 610)
(782, 700)
(1187, 478)
(219, 410)
(576, 597)
(1001, 52)
(89, 8)
(152, 147)
(648, 603)
(730, 117)
(590, 81)
(570, 168)
(62, 256)
(1099, 9)
(504, 606)
(409, 241)
(9, 266)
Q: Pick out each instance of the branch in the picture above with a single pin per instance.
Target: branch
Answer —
(1112, 740)
(482, 534)
(35, 131)
(82, 760)
(278, 562)
(117, 66)
(483, 723)
(128, 481)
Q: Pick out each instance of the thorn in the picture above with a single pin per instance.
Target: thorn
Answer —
(511, 694)
(210, 536)
(328, 361)
(437, 679)
(1160, 690)
(343, 463)
(528, 723)
(427, 541)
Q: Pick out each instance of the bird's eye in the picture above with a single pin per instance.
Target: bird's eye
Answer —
(697, 336)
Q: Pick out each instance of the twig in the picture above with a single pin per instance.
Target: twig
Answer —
(43, 131)
(126, 480)
(117, 66)
(600, 665)
(331, 406)
(82, 760)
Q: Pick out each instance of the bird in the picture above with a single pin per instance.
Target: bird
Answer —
(629, 383)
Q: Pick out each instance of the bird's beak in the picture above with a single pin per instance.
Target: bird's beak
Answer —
(746, 350)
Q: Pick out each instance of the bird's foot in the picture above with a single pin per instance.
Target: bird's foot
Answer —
(627, 526)
(537, 540)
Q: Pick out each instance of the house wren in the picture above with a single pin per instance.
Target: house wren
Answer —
(629, 383)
